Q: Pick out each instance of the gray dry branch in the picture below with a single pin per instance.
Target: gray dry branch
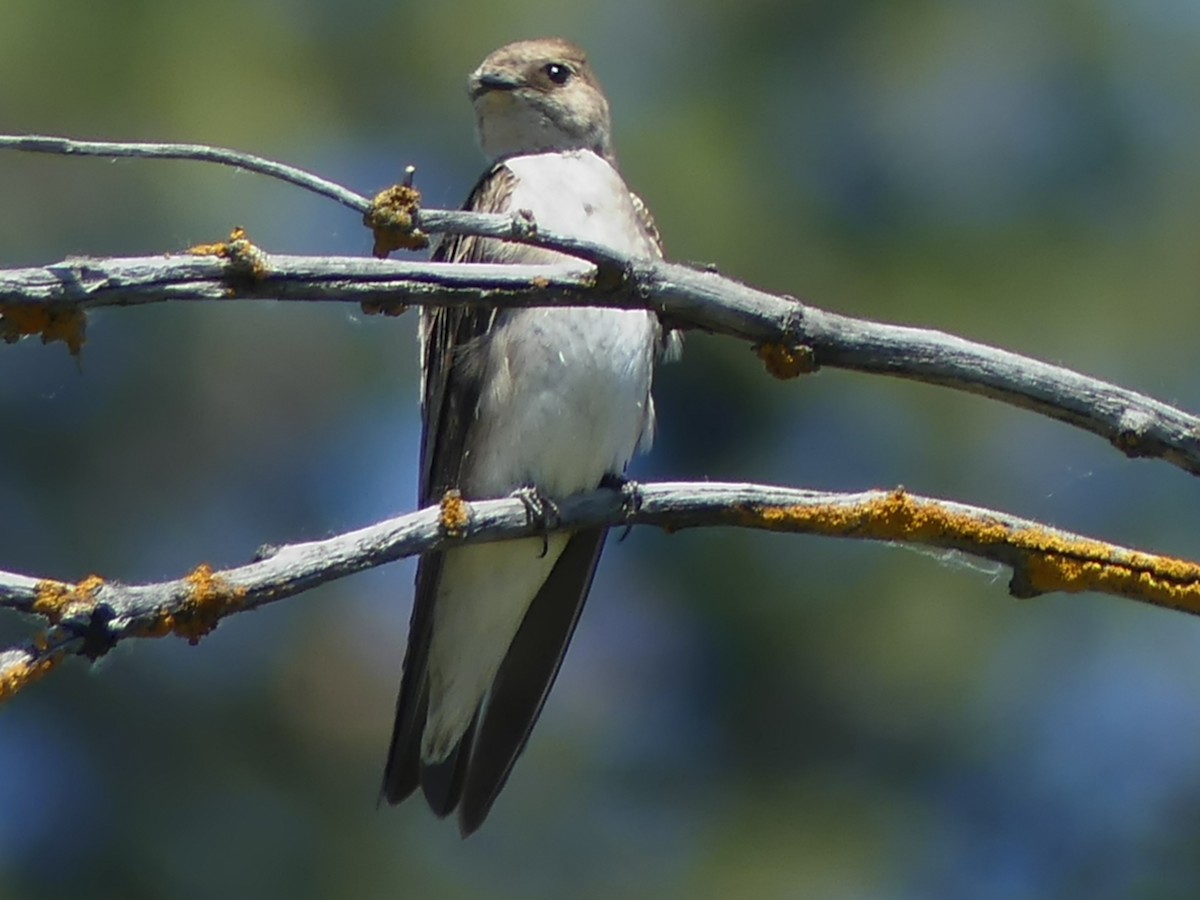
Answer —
(91, 617)
(791, 337)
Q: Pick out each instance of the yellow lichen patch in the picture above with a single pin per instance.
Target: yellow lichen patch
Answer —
(248, 259)
(1047, 561)
(784, 362)
(17, 675)
(218, 249)
(245, 257)
(540, 282)
(891, 517)
(455, 514)
(1052, 562)
(65, 324)
(392, 219)
(210, 597)
(56, 599)
(1162, 581)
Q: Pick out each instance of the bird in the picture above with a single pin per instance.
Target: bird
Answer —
(548, 401)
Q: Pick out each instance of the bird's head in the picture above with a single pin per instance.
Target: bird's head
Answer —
(539, 96)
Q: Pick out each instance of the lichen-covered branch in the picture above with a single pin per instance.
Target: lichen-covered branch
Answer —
(88, 618)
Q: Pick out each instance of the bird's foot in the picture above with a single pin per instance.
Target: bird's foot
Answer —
(540, 511)
(631, 497)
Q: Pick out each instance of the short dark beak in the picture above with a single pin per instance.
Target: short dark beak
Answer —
(490, 81)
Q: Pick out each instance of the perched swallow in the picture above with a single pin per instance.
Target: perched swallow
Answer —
(554, 400)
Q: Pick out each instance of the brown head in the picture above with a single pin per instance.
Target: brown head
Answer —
(539, 96)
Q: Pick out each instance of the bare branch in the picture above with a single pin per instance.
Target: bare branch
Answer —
(40, 143)
(90, 617)
(793, 338)
(780, 326)
(519, 227)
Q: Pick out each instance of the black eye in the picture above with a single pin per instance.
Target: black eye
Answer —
(558, 73)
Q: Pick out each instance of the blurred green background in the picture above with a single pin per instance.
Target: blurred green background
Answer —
(741, 714)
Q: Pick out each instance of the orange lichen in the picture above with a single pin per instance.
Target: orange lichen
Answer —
(210, 598)
(56, 599)
(1159, 580)
(892, 517)
(1044, 561)
(392, 219)
(218, 249)
(22, 672)
(455, 514)
(247, 259)
(66, 324)
(784, 362)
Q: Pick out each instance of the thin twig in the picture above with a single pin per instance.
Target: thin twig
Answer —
(518, 227)
(40, 143)
(90, 617)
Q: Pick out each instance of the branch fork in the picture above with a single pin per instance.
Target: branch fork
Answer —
(90, 617)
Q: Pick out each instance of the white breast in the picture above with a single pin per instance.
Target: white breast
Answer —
(579, 193)
(566, 391)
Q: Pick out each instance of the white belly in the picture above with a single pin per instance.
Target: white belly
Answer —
(566, 391)
(565, 401)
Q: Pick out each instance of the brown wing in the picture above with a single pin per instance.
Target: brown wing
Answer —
(450, 389)
(449, 395)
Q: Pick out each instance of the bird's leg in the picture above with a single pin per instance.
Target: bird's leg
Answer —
(631, 496)
(540, 511)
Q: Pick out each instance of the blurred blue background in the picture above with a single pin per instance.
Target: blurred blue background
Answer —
(741, 714)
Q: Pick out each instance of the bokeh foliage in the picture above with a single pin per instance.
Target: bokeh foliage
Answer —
(741, 714)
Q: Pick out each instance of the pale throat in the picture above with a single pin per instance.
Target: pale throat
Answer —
(506, 128)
